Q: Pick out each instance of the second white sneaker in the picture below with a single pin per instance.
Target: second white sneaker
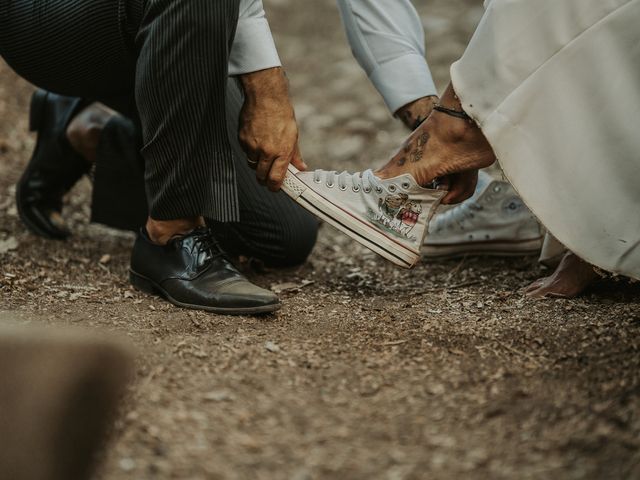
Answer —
(388, 216)
(494, 221)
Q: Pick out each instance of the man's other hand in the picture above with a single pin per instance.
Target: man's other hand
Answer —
(268, 131)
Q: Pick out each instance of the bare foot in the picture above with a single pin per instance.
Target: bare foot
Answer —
(444, 147)
(85, 129)
(571, 278)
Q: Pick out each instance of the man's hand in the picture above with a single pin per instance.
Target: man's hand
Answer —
(268, 131)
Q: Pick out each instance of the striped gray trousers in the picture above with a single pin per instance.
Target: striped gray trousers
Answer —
(272, 227)
(163, 64)
(164, 60)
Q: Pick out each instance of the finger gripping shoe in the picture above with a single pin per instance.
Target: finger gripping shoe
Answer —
(390, 216)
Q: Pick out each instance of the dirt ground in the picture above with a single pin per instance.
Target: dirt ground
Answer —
(368, 372)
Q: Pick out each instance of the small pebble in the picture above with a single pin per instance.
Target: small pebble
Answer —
(272, 347)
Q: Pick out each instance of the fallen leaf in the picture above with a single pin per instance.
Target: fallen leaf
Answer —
(290, 286)
(219, 396)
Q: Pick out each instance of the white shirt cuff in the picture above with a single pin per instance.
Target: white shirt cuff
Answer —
(253, 48)
(403, 80)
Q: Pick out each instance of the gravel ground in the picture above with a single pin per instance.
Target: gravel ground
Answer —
(368, 372)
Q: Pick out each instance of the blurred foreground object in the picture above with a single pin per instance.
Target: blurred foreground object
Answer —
(554, 87)
(59, 393)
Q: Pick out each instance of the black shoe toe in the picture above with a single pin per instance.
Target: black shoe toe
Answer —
(193, 272)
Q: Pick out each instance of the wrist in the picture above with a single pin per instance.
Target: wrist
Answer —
(265, 85)
(450, 99)
(414, 113)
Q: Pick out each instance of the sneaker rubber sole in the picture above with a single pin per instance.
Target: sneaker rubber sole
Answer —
(360, 230)
(517, 248)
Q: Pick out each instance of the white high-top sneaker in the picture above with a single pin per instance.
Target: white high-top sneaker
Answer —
(388, 216)
(494, 221)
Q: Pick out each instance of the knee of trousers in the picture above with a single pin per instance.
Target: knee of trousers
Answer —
(285, 242)
(298, 240)
(289, 242)
(282, 244)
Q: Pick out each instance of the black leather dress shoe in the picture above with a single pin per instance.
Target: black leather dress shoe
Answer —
(192, 271)
(54, 167)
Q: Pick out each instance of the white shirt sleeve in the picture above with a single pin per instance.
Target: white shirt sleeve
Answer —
(387, 39)
(253, 47)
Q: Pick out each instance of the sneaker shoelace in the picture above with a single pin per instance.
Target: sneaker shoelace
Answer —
(365, 181)
(206, 246)
(458, 215)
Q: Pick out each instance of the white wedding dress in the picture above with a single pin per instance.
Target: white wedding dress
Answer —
(555, 87)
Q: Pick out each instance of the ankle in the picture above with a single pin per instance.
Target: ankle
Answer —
(161, 232)
(85, 130)
(416, 112)
(453, 129)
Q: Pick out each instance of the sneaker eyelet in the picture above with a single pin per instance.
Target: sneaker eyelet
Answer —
(356, 188)
(367, 190)
(317, 180)
(392, 188)
(343, 188)
(330, 185)
(406, 185)
(379, 190)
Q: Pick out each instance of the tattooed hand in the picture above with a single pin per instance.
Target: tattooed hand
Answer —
(446, 148)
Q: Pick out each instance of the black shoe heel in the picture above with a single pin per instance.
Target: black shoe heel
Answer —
(37, 110)
(142, 284)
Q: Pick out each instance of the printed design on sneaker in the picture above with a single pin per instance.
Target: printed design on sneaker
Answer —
(390, 216)
(397, 215)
